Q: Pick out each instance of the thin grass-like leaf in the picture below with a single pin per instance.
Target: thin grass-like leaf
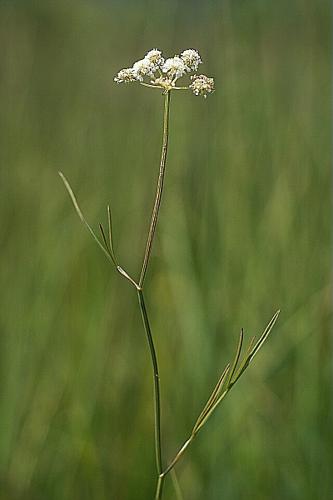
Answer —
(237, 356)
(219, 385)
(244, 363)
(218, 393)
(80, 214)
(111, 234)
(212, 398)
(104, 237)
(254, 347)
(264, 336)
(210, 411)
(214, 394)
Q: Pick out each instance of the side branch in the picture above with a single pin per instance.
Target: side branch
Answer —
(228, 379)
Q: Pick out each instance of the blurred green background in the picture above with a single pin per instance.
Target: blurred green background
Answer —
(244, 230)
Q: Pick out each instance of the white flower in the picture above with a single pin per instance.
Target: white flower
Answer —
(142, 68)
(164, 73)
(125, 75)
(202, 85)
(155, 57)
(174, 67)
(191, 59)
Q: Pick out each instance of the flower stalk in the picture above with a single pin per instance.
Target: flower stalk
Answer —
(159, 188)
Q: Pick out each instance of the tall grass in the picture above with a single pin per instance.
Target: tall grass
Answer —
(246, 226)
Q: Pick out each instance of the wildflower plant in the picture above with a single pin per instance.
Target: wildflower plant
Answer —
(154, 71)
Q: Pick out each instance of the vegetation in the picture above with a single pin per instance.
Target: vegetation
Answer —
(246, 227)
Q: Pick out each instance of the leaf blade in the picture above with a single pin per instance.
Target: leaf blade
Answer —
(237, 356)
(264, 336)
(81, 216)
(211, 400)
(111, 233)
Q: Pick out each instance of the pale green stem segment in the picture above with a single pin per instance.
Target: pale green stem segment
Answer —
(159, 189)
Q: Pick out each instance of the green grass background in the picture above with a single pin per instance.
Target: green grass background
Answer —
(244, 230)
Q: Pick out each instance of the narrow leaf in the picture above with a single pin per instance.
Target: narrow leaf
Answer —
(236, 359)
(80, 214)
(244, 363)
(104, 237)
(220, 383)
(264, 336)
(211, 410)
(253, 349)
(111, 233)
(213, 396)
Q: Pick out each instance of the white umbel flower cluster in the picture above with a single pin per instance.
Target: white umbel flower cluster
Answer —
(155, 71)
(126, 75)
(143, 68)
(146, 67)
(191, 59)
(174, 67)
(155, 56)
(202, 85)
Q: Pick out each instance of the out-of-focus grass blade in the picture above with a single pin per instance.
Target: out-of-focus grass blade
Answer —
(80, 214)
(176, 485)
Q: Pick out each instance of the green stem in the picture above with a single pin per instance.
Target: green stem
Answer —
(178, 455)
(159, 487)
(159, 189)
(157, 402)
(148, 248)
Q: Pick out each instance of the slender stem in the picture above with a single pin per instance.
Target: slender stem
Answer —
(157, 402)
(151, 86)
(139, 288)
(159, 189)
(172, 87)
(123, 273)
(159, 487)
(179, 455)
